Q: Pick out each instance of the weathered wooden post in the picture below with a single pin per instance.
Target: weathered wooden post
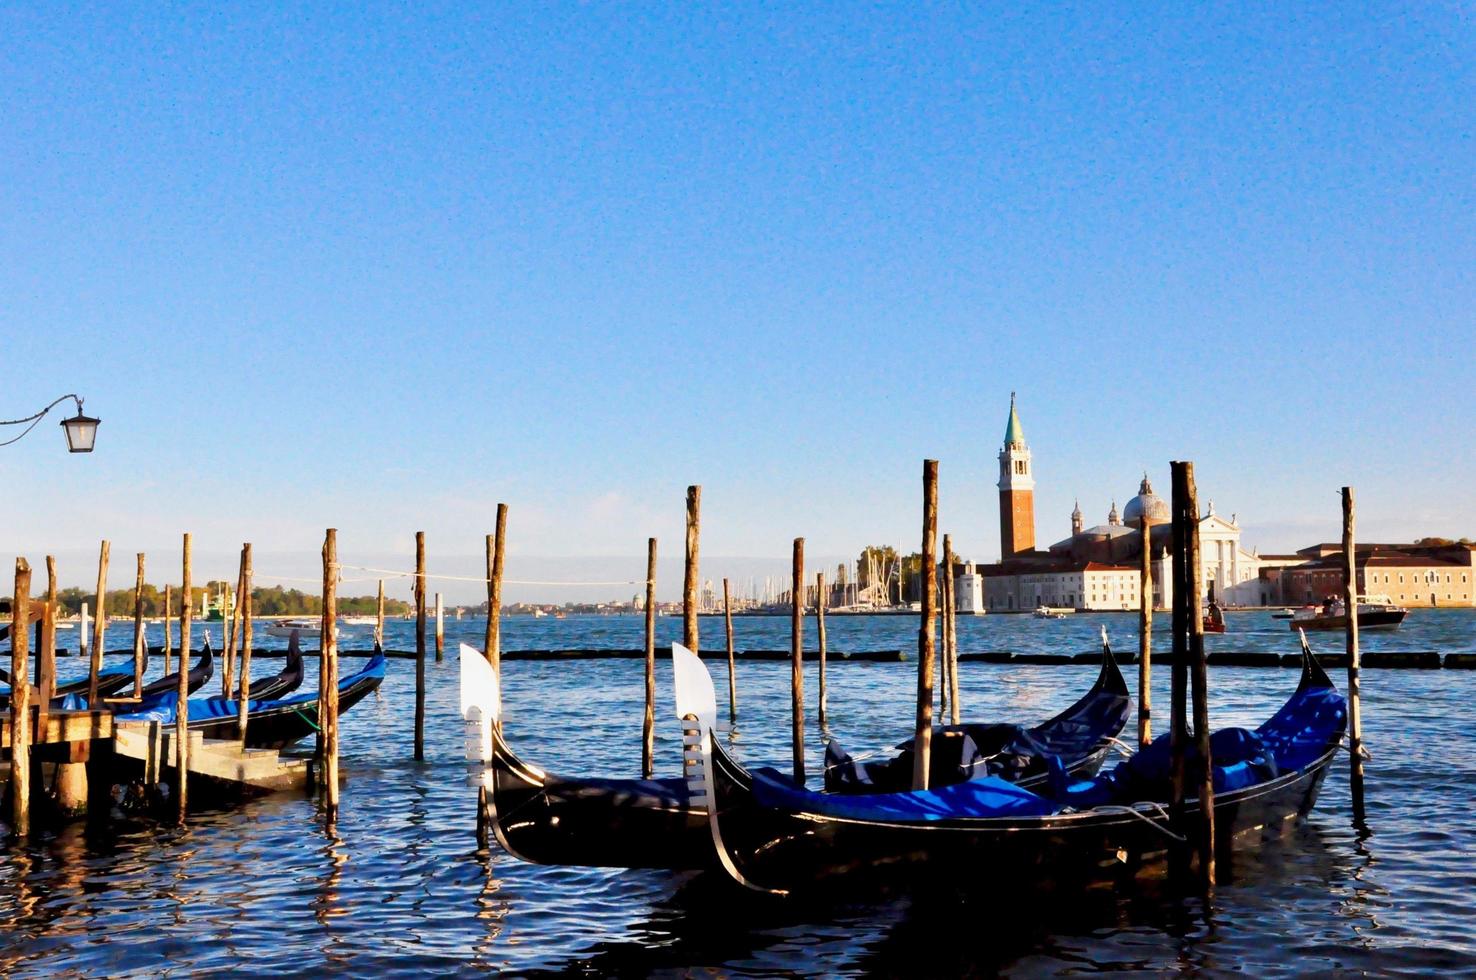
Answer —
(139, 650)
(1350, 605)
(328, 664)
(950, 617)
(233, 636)
(1145, 636)
(20, 701)
(494, 595)
(922, 758)
(247, 607)
(100, 627)
(648, 721)
(796, 660)
(1199, 675)
(168, 626)
(732, 674)
(379, 617)
(182, 697)
(820, 638)
(1182, 517)
(46, 675)
(440, 629)
(419, 646)
(689, 580)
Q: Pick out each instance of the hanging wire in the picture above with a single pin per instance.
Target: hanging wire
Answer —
(35, 420)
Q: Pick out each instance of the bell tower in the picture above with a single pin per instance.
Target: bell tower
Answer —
(1016, 491)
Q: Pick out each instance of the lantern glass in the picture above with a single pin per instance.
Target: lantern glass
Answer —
(81, 432)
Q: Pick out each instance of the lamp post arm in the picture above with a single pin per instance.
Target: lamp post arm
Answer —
(36, 419)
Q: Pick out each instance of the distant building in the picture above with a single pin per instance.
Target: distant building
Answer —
(1408, 574)
(968, 592)
(1085, 569)
(1016, 491)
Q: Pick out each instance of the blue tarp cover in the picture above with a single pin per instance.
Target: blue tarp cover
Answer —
(205, 708)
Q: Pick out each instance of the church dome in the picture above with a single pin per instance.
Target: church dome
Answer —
(1146, 504)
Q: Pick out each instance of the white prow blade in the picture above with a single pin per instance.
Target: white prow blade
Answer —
(693, 684)
(481, 702)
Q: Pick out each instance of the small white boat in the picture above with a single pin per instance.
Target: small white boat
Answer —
(1047, 612)
(303, 627)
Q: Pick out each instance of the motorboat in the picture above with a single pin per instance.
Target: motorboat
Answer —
(1374, 612)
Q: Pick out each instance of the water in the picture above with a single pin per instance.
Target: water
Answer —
(400, 887)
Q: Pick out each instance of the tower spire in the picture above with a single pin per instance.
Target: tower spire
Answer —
(1016, 490)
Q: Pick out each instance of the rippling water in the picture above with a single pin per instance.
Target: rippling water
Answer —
(401, 887)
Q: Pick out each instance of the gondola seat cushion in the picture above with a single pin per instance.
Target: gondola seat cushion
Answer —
(987, 796)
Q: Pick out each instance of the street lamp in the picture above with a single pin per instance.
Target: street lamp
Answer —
(81, 430)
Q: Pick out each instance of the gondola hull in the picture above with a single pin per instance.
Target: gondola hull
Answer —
(781, 851)
(624, 823)
(276, 726)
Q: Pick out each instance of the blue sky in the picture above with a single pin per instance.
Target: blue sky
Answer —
(380, 268)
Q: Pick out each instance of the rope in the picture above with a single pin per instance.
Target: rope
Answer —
(298, 712)
(395, 573)
(1135, 812)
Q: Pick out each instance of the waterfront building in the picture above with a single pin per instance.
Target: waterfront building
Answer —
(1409, 574)
(968, 591)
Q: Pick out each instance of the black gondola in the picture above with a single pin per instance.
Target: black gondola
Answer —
(203, 670)
(651, 823)
(1080, 737)
(110, 681)
(284, 682)
(774, 836)
(270, 724)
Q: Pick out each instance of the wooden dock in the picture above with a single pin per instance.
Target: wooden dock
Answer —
(223, 761)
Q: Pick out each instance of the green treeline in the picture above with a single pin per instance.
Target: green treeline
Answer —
(266, 601)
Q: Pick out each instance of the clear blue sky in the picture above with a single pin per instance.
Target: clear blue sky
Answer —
(382, 268)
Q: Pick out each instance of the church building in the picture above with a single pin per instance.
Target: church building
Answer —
(1099, 567)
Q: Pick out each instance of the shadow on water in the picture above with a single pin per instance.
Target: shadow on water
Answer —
(952, 928)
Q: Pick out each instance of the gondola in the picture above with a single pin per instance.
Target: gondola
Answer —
(1080, 736)
(110, 681)
(774, 836)
(605, 822)
(270, 724)
(284, 682)
(203, 670)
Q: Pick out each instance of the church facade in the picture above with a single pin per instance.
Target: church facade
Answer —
(1099, 567)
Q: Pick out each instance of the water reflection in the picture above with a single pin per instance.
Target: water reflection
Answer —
(397, 884)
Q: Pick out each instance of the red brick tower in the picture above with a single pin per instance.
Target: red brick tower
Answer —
(1016, 491)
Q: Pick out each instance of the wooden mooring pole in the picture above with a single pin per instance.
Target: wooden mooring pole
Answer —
(328, 665)
(1145, 635)
(732, 672)
(945, 597)
(689, 579)
(492, 647)
(233, 634)
(379, 617)
(182, 693)
(20, 701)
(46, 667)
(1355, 710)
(820, 638)
(168, 626)
(419, 646)
(648, 721)
(796, 660)
(950, 617)
(440, 629)
(1199, 683)
(922, 758)
(100, 626)
(140, 651)
(247, 607)
(494, 594)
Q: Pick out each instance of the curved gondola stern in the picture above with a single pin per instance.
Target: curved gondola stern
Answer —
(1110, 678)
(696, 706)
(1313, 674)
